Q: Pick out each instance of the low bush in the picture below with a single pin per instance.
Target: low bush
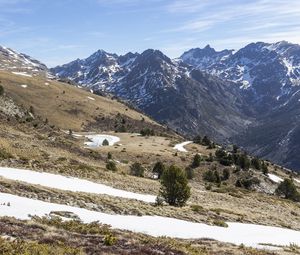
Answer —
(247, 183)
(220, 223)
(111, 165)
(109, 240)
(136, 169)
(288, 190)
(4, 154)
(1, 90)
(212, 176)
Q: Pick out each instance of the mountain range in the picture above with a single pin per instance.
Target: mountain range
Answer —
(248, 97)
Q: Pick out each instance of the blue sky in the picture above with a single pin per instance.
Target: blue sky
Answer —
(58, 31)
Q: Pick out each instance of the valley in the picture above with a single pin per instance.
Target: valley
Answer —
(67, 175)
(231, 96)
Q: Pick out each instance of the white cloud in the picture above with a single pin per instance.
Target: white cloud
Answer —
(263, 20)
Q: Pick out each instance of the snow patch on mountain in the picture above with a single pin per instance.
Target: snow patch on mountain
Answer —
(22, 63)
(250, 64)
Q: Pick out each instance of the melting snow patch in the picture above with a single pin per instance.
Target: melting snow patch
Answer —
(180, 146)
(296, 180)
(275, 178)
(97, 140)
(47, 83)
(237, 233)
(22, 73)
(69, 183)
(91, 98)
(24, 86)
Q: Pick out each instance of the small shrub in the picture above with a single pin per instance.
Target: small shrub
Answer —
(226, 174)
(197, 139)
(220, 223)
(137, 169)
(159, 168)
(109, 240)
(189, 173)
(247, 183)
(159, 201)
(4, 154)
(1, 90)
(197, 208)
(264, 169)
(31, 109)
(147, 132)
(255, 163)
(212, 176)
(18, 246)
(243, 161)
(206, 141)
(111, 165)
(208, 187)
(196, 161)
(109, 156)
(105, 142)
(288, 189)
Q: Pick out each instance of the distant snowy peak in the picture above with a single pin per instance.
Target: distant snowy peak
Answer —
(202, 58)
(255, 64)
(139, 74)
(11, 60)
(98, 69)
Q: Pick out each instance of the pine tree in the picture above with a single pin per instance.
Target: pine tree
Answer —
(288, 189)
(196, 161)
(264, 169)
(197, 139)
(174, 186)
(105, 142)
(256, 163)
(206, 141)
(159, 168)
(226, 174)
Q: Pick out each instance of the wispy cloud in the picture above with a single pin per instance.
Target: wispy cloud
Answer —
(267, 19)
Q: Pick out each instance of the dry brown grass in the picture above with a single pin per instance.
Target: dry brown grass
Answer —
(74, 234)
(64, 105)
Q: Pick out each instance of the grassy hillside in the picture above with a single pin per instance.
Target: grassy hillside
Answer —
(68, 107)
(31, 142)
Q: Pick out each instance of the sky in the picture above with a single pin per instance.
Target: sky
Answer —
(59, 31)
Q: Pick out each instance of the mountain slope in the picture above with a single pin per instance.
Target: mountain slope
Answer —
(68, 107)
(13, 61)
(28, 141)
(269, 78)
(270, 72)
(171, 92)
(241, 91)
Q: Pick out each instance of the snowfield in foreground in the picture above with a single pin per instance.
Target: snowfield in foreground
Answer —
(97, 140)
(69, 183)
(237, 233)
(180, 146)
